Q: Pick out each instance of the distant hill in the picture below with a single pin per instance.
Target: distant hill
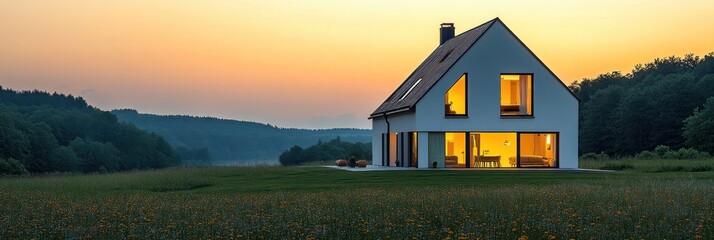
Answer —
(233, 141)
(42, 132)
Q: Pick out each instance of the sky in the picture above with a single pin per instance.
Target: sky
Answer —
(308, 64)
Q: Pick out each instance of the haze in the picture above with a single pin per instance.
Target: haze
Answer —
(307, 64)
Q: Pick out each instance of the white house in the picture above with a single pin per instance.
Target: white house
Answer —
(481, 99)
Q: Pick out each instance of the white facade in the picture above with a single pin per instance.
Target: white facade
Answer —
(496, 52)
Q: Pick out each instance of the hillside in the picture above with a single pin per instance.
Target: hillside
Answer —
(658, 103)
(43, 132)
(233, 141)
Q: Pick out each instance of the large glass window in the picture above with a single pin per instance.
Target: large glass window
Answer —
(491, 150)
(455, 150)
(516, 94)
(455, 98)
(393, 151)
(539, 149)
(413, 150)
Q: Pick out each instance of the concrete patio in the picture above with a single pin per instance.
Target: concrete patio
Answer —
(370, 168)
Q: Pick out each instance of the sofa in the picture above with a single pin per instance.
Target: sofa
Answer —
(529, 161)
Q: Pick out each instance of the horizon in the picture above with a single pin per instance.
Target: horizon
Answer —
(308, 65)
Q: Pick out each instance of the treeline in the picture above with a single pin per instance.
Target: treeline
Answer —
(332, 150)
(667, 102)
(233, 141)
(42, 132)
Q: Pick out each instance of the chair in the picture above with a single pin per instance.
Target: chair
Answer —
(489, 161)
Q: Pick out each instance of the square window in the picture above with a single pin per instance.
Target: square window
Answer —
(516, 94)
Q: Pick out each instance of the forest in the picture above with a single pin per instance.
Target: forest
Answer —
(225, 141)
(42, 132)
(668, 102)
(329, 151)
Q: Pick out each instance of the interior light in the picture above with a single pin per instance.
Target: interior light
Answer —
(547, 141)
(511, 77)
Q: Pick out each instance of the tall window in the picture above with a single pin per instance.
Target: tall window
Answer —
(455, 98)
(455, 149)
(516, 94)
(413, 150)
(393, 143)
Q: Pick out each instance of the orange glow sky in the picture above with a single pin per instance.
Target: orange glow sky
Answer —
(313, 64)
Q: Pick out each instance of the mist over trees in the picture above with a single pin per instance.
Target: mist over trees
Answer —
(658, 103)
(332, 150)
(227, 141)
(43, 132)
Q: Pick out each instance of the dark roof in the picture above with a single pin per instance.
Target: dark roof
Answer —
(435, 66)
(431, 70)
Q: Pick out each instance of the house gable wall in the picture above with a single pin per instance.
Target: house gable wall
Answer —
(555, 109)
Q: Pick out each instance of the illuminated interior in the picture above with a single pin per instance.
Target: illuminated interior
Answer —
(455, 150)
(392, 149)
(455, 98)
(492, 150)
(413, 156)
(516, 94)
(498, 150)
(538, 149)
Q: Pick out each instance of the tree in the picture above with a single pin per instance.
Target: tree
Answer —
(95, 156)
(293, 156)
(698, 129)
(598, 133)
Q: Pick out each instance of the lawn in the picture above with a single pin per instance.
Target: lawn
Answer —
(314, 202)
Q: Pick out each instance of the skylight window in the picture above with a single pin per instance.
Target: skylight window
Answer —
(445, 56)
(410, 89)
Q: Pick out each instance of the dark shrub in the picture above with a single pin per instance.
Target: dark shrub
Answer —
(12, 167)
(617, 166)
(701, 169)
(671, 155)
(353, 162)
(595, 156)
(670, 169)
(647, 155)
(661, 150)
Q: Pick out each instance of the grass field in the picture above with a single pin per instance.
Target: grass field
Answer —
(314, 202)
(653, 166)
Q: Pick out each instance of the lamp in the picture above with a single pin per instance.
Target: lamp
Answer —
(547, 141)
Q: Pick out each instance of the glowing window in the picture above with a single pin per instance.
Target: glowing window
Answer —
(455, 98)
(410, 89)
(538, 149)
(516, 94)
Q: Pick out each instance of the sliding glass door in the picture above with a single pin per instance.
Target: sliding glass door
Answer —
(491, 149)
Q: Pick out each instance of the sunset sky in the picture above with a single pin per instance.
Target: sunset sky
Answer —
(308, 64)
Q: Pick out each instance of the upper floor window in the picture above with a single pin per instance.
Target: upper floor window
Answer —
(516, 94)
(455, 98)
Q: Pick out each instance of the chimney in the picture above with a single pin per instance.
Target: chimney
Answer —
(447, 32)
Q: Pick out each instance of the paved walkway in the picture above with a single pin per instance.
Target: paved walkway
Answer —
(383, 168)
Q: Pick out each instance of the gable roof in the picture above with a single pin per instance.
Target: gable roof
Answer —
(431, 70)
(436, 65)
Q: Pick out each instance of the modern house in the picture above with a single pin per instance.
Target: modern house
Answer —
(481, 99)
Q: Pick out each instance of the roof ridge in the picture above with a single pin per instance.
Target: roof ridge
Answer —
(432, 69)
(490, 21)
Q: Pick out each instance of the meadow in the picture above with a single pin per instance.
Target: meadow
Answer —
(312, 202)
